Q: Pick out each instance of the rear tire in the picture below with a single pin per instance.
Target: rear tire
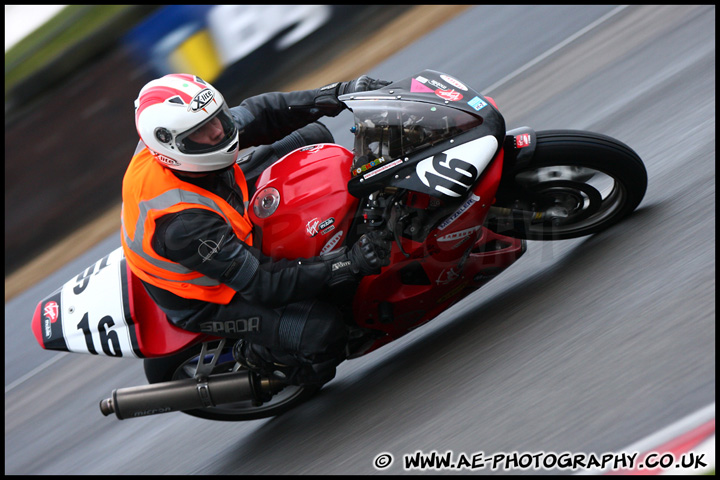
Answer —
(577, 183)
(183, 364)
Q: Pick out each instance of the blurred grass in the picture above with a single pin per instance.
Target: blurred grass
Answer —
(75, 31)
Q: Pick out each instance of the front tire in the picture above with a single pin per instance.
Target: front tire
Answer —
(577, 183)
(184, 365)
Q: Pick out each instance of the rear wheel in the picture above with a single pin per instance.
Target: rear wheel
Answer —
(218, 358)
(577, 183)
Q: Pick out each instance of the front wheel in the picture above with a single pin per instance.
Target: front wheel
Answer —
(218, 358)
(577, 183)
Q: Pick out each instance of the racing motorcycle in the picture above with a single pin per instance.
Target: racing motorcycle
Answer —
(433, 168)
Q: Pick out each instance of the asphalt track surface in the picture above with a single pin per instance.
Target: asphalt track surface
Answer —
(584, 345)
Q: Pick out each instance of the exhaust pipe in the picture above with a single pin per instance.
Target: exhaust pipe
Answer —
(188, 394)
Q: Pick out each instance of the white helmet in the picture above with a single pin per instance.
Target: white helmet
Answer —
(171, 108)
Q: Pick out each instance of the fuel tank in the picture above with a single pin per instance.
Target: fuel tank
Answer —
(302, 204)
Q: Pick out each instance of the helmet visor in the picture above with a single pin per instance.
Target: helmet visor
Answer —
(214, 134)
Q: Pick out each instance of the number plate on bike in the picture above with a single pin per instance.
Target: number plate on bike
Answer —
(90, 313)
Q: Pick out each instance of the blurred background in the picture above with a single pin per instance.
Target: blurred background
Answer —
(73, 72)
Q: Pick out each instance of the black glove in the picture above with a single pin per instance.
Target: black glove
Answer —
(370, 253)
(367, 257)
(326, 99)
(361, 84)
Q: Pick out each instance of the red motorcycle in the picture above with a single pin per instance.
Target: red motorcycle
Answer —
(434, 168)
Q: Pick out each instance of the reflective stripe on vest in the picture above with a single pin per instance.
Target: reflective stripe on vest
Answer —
(153, 189)
(165, 201)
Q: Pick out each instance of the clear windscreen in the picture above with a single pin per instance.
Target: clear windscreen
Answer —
(391, 129)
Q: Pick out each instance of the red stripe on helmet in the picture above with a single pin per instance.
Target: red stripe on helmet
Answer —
(156, 95)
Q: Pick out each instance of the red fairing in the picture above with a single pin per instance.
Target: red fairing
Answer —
(156, 336)
(37, 325)
(449, 277)
(315, 209)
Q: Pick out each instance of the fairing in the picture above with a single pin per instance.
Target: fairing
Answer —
(105, 310)
(404, 134)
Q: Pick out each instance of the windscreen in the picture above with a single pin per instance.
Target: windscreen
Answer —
(387, 129)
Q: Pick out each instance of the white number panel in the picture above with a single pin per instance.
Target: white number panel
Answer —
(91, 312)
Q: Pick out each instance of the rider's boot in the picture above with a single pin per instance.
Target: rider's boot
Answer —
(260, 360)
(257, 359)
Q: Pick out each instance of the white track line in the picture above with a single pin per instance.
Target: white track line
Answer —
(34, 372)
(554, 49)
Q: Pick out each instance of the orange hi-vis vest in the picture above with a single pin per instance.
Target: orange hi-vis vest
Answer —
(150, 191)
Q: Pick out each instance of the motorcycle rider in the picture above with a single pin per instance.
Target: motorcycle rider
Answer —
(187, 235)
